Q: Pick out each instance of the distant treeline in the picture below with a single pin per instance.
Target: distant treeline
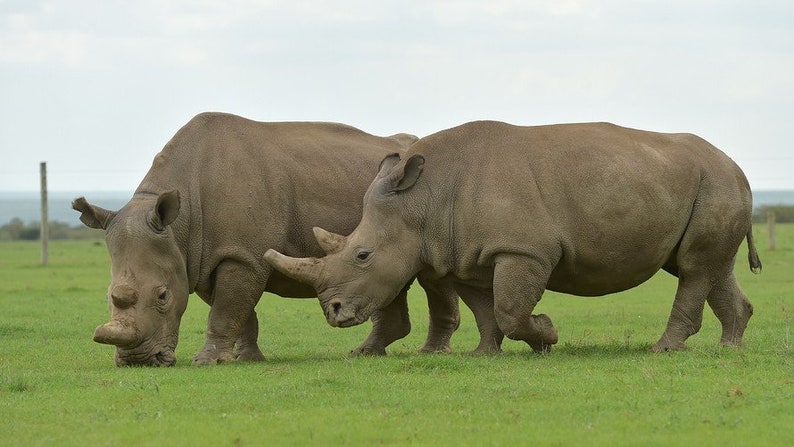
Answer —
(783, 213)
(17, 230)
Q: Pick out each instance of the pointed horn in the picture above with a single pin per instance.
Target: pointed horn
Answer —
(306, 270)
(329, 242)
(116, 333)
(91, 215)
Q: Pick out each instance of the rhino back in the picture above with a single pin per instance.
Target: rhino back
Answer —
(605, 198)
(248, 186)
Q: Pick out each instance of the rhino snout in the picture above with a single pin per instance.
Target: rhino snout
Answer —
(340, 315)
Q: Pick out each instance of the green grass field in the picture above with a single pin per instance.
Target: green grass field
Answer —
(599, 386)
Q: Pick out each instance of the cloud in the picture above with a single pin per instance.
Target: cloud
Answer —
(23, 43)
(92, 76)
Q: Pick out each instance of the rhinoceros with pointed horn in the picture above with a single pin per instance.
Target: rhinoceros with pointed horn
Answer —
(503, 212)
(222, 191)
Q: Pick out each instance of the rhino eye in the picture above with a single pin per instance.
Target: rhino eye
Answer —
(363, 255)
(162, 297)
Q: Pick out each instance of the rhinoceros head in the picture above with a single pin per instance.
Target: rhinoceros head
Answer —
(366, 270)
(149, 288)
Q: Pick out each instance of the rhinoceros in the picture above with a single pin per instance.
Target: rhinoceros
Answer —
(504, 212)
(222, 190)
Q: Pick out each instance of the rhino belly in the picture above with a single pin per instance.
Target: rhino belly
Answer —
(612, 264)
(600, 281)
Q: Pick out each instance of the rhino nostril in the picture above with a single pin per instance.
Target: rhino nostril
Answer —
(336, 306)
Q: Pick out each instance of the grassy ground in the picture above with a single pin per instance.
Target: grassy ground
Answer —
(599, 386)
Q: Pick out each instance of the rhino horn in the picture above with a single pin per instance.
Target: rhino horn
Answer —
(91, 215)
(115, 333)
(306, 270)
(329, 242)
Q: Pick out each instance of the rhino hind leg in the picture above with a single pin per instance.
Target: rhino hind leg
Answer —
(686, 316)
(704, 264)
(518, 285)
(726, 300)
(388, 325)
(732, 308)
(247, 348)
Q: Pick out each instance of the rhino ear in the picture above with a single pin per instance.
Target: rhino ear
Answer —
(403, 175)
(166, 210)
(91, 215)
(387, 164)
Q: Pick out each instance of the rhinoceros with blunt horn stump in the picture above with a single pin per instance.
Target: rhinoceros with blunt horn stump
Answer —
(219, 193)
(504, 212)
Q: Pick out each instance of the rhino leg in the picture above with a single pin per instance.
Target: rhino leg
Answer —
(480, 302)
(519, 282)
(732, 308)
(247, 348)
(687, 313)
(705, 261)
(388, 324)
(442, 303)
(234, 297)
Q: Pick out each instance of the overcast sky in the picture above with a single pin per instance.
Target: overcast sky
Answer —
(96, 88)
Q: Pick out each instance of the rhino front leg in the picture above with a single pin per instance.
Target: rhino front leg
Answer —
(234, 297)
(519, 283)
(388, 325)
(481, 304)
(247, 347)
(442, 303)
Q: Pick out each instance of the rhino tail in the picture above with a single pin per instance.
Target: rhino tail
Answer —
(752, 255)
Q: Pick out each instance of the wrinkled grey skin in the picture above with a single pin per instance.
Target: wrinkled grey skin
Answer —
(222, 191)
(503, 213)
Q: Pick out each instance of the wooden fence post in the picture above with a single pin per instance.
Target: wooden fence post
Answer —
(45, 224)
(770, 225)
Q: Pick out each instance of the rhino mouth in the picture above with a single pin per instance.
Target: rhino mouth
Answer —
(353, 321)
(164, 356)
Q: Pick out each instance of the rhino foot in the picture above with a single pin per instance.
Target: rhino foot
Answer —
(732, 342)
(541, 348)
(205, 357)
(487, 349)
(436, 349)
(547, 335)
(489, 344)
(368, 350)
(661, 346)
(670, 341)
(251, 354)
(203, 361)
